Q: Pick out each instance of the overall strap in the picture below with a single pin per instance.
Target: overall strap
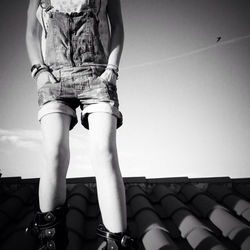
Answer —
(46, 6)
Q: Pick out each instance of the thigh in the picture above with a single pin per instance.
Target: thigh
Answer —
(102, 129)
(55, 129)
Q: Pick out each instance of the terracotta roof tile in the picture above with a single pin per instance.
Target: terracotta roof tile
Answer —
(243, 189)
(219, 191)
(203, 240)
(189, 191)
(225, 195)
(151, 230)
(165, 213)
(11, 209)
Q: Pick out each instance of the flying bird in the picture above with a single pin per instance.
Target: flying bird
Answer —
(218, 38)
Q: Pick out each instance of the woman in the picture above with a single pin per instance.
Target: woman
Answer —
(75, 62)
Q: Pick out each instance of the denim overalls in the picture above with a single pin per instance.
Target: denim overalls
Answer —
(75, 56)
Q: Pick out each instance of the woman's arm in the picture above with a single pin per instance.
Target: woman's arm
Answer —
(117, 31)
(116, 43)
(33, 43)
(33, 34)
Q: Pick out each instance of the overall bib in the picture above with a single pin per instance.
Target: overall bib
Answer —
(73, 39)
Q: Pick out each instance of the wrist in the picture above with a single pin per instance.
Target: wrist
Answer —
(36, 68)
(113, 72)
(39, 72)
(114, 69)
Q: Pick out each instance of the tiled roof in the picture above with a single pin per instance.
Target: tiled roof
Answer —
(166, 213)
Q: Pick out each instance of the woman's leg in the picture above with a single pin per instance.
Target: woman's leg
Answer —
(110, 187)
(52, 186)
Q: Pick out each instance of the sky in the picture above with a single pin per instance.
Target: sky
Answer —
(185, 96)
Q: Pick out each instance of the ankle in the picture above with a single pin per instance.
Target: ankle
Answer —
(49, 228)
(115, 241)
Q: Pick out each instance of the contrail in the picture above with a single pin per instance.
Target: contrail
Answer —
(193, 52)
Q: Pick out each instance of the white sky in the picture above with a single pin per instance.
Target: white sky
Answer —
(184, 97)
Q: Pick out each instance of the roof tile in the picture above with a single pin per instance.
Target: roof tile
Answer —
(240, 206)
(243, 189)
(158, 239)
(152, 231)
(190, 191)
(219, 191)
(10, 209)
(203, 240)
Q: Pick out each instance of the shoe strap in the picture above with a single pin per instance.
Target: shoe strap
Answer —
(120, 238)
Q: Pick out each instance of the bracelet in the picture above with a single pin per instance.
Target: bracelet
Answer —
(36, 68)
(39, 72)
(114, 67)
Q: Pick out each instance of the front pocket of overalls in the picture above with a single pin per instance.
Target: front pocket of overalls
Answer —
(107, 90)
(112, 90)
(50, 91)
(41, 83)
(97, 91)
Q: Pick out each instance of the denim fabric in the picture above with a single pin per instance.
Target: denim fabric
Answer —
(75, 56)
(79, 86)
(82, 87)
(72, 40)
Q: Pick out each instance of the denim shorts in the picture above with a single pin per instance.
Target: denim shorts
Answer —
(79, 87)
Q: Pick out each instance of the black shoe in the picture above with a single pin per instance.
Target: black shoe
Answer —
(116, 241)
(49, 229)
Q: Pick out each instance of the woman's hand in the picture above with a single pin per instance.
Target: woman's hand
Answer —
(109, 76)
(44, 78)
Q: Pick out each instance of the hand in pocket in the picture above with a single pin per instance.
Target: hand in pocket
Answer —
(43, 78)
(109, 76)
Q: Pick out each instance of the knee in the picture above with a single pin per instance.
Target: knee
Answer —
(103, 152)
(57, 155)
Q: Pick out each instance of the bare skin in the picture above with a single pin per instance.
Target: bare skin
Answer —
(102, 132)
